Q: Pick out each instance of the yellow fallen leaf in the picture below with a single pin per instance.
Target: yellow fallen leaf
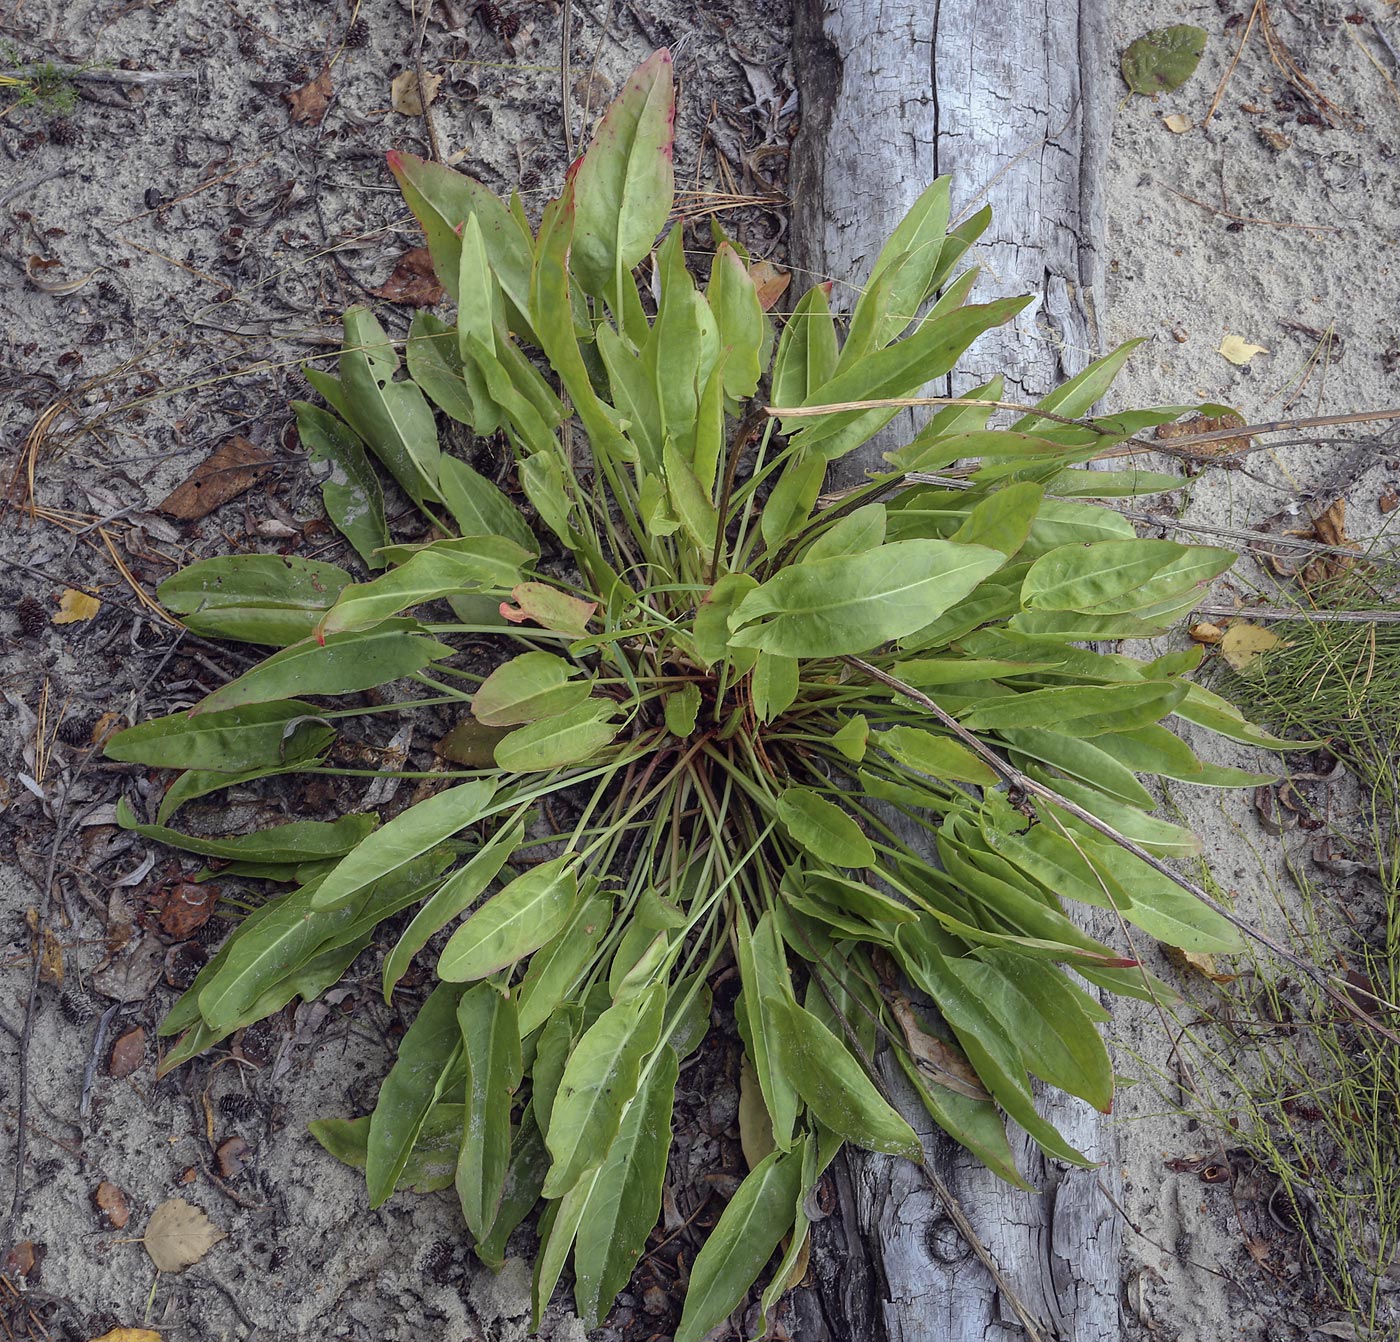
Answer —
(403, 92)
(1243, 642)
(1178, 123)
(74, 607)
(178, 1235)
(1239, 351)
(1198, 962)
(129, 1335)
(1206, 632)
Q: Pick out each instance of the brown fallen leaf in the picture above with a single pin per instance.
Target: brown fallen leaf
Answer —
(113, 1209)
(185, 908)
(1188, 428)
(25, 1260)
(310, 101)
(227, 472)
(941, 1063)
(413, 283)
(1389, 500)
(128, 1053)
(770, 282)
(403, 92)
(178, 1235)
(129, 1335)
(132, 972)
(75, 607)
(232, 1155)
(1329, 528)
(1197, 962)
(48, 947)
(1206, 632)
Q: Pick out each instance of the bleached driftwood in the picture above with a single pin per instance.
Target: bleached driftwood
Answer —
(1010, 97)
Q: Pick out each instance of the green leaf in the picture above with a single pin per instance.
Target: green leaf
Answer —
(528, 1162)
(475, 564)
(407, 836)
(230, 742)
(823, 829)
(625, 1199)
(854, 603)
(1077, 397)
(835, 1086)
(432, 1162)
(351, 491)
(268, 599)
(343, 664)
(1080, 710)
(790, 504)
(1163, 59)
(529, 687)
(742, 325)
(1054, 1022)
(491, 1044)
(855, 533)
(443, 200)
(763, 974)
(456, 386)
(759, 1214)
(626, 181)
(898, 370)
(773, 685)
(556, 968)
(937, 756)
(1003, 520)
(429, 1055)
(600, 1080)
(456, 894)
(807, 352)
(392, 417)
(479, 508)
(682, 709)
(516, 920)
(299, 841)
(697, 513)
(711, 631)
(571, 737)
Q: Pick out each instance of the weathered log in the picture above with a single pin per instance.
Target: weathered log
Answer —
(1009, 97)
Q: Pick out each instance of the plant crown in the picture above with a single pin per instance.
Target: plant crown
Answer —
(709, 675)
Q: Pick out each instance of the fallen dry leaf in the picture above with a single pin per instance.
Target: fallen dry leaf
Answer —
(185, 908)
(309, 102)
(132, 972)
(25, 1259)
(1178, 123)
(1243, 642)
(770, 282)
(112, 1206)
(1239, 351)
(227, 472)
(128, 1053)
(1206, 632)
(1197, 424)
(74, 607)
(232, 1155)
(1276, 140)
(1389, 500)
(1329, 528)
(941, 1063)
(49, 947)
(129, 1335)
(178, 1235)
(403, 92)
(1197, 962)
(413, 283)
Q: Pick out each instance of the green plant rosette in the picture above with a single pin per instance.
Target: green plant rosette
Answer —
(723, 679)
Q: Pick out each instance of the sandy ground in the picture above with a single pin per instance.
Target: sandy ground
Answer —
(222, 239)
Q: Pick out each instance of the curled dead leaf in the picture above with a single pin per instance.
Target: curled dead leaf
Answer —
(1239, 351)
(1197, 962)
(75, 607)
(128, 1053)
(404, 97)
(112, 1206)
(413, 283)
(178, 1235)
(938, 1062)
(232, 468)
(310, 101)
(1197, 424)
(770, 283)
(1206, 632)
(1242, 642)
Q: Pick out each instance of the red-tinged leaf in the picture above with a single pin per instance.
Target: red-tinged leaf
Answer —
(549, 608)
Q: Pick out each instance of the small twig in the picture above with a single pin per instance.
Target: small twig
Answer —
(1252, 219)
(1230, 69)
(1307, 616)
(88, 76)
(15, 192)
(1023, 782)
(434, 151)
(99, 1041)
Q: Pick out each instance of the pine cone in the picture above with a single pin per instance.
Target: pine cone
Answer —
(357, 34)
(75, 731)
(63, 132)
(239, 1107)
(32, 617)
(77, 1005)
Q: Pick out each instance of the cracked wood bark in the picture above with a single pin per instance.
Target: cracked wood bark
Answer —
(1008, 97)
